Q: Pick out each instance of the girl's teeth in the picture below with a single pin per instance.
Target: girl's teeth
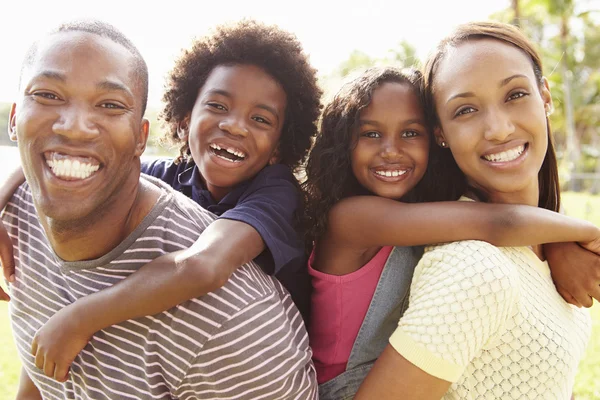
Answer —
(390, 173)
(506, 156)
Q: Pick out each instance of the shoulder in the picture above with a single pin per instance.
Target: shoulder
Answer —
(274, 178)
(162, 168)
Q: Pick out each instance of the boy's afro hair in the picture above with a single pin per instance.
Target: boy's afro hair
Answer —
(274, 50)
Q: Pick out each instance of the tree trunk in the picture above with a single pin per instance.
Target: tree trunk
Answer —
(516, 12)
(571, 151)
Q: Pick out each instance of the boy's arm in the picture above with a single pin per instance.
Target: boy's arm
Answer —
(159, 285)
(8, 186)
(367, 221)
(27, 390)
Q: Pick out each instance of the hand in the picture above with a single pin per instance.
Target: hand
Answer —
(575, 271)
(593, 246)
(6, 259)
(58, 342)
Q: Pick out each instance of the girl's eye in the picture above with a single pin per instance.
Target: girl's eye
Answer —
(464, 110)
(217, 106)
(410, 134)
(261, 120)
(517, 95)
(371, 134)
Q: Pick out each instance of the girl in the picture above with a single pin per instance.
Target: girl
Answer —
(482, 321)
(375, 141)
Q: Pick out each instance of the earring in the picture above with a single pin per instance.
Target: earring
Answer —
(549, 110)
(443, 144)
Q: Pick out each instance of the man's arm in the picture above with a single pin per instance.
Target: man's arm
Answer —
(261, 352)
(27, 390)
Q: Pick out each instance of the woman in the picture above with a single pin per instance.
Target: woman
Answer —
(482, 321)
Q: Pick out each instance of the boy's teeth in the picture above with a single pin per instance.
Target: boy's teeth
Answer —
(391, 173)
(506, 156)
(230, 150)
(66, 168)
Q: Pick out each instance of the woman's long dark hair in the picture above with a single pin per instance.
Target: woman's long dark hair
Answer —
(549, 187)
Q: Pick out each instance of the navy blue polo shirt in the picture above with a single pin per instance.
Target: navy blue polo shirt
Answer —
(268, 203)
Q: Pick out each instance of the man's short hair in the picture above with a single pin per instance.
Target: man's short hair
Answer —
(104, 30)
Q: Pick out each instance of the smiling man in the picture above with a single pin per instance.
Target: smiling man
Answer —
(85, 220)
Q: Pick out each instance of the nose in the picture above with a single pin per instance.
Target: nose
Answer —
(234, 126)
(391, 150)
(498, 125)
(76, 123)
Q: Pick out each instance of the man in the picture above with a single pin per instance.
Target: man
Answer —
(85, 220)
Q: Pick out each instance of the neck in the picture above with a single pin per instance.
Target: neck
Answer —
(105, 228)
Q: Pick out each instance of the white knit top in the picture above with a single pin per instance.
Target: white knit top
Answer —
(490, 320)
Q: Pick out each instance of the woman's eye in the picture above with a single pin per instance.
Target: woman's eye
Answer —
(410, 134)
(463, 111)
(371, 134)
(517, 95)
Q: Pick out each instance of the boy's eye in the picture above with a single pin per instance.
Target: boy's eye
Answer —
(517, 95)
(217, 106)
(371, 134)
(464, 110)
(410, 134)
(261, 120)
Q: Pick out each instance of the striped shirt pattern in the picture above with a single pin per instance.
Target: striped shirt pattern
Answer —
(243, 341)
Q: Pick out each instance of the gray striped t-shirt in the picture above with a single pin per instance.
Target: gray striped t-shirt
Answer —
(243, 341)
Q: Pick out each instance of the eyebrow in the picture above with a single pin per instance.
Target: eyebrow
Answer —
(263, 106)
(504, 82)
(50, 75)
(362, 122)
(112, 86)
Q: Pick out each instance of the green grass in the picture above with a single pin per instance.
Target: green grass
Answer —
(587, 383)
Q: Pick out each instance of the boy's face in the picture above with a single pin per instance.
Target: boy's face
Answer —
(235, 126)
(79, 126)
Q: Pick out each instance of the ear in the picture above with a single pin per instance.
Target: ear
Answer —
(183, 128)
(439, 137)
(546, 96)
(143, 138)
(275, 156)
(12, 123)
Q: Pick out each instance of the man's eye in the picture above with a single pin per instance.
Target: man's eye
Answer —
(111, 106)
(46, 95)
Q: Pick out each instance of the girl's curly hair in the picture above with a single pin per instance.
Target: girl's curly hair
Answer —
(329, 176)
(274, 50)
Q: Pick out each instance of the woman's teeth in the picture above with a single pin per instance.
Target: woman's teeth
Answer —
(506, 156)
(66, 168)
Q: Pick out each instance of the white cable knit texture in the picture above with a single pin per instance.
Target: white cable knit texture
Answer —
(490, 320)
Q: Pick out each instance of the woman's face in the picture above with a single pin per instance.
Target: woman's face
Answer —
(492, 115)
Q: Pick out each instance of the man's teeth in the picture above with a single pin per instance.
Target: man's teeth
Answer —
(66, 168)
(398, 172)
(230, 150)
(506, 156)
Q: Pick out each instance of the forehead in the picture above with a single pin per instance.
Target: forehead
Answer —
(394, 97)
(481, 61)
(247, 80)
(83, 59)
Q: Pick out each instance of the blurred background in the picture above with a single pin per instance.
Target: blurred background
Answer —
(343, 37)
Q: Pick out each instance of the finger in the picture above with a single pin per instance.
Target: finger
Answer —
(39, 360)
(595, 292)
(3, 295)
(6, 255)
(61, 372)
(49, 367)
(567, 296)
(34, 346)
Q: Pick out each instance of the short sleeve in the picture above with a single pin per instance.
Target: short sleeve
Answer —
(269, 206)
(261, 352)
(461, 296)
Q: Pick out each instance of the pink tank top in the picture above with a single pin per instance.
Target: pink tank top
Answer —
(339, 305)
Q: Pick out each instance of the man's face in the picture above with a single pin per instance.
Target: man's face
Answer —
(79, 126)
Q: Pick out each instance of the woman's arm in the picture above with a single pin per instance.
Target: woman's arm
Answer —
(368, 221)
(163, 283)
(409, 381)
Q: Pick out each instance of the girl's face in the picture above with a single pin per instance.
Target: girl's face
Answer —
(492, 115)
(391, 142)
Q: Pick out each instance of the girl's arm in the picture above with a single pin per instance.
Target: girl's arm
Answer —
(27, 390)
(8, 186)
(369, 221)
(159, 285)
